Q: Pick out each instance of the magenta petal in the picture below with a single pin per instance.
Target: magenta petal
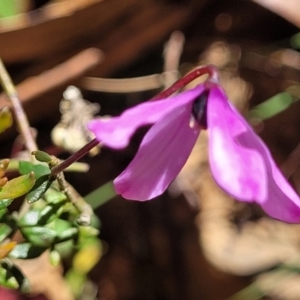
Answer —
(237, 169)
(162, 154)
(243, 166)
(116, 132)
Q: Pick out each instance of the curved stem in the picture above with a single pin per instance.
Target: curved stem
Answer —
(211, 70)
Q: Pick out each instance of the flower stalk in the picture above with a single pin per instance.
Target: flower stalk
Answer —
(210, 70)
(74, 157)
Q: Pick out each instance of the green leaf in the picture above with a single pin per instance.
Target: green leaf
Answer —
(54, 197)
(65, 249)
(48, 214)
(5, 231)
(23, 283)
(7, 280)
(10, 8)
(5, 203)
(6, 119)
(3, 213)
(39, 189)
(55, 258)
(26, 251)
(101, 195)
(67, 234)
(31, 218)
(59, 226)
(87, 231)
(272, 106)
(17, 186)
(39, 236)
(39, 170)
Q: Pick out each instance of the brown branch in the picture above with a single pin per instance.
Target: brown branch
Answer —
(20, 116)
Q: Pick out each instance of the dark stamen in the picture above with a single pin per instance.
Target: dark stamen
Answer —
(199, 109)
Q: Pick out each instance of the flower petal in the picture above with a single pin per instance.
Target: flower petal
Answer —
(238, 170)
(116, 132)
(243, 166)
(162, 154)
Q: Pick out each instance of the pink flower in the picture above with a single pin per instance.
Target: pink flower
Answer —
(240, 162)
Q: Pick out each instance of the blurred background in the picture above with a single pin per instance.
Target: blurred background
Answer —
(194, 242)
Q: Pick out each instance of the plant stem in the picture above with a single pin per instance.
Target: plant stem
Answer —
(20, 115)
(211, 70)
(74, 157)
(85, 210)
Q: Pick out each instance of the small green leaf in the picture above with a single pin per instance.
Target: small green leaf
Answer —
(17, 186)
(31, 218)
(3, 213)
(59, 226)
(39, 170)
(42, 156)
(39, 236)
(54, 197)
(39, 189)
(17, 274)
(87, 231)
(26, 251)
(67, 234)
(6, 119)
(51, 212)
(5, 231)
(65, 249)
(5, 203)
(7, 280)
(54, 258)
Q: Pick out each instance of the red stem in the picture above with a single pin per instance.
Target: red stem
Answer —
(74, 157)
(211, 70)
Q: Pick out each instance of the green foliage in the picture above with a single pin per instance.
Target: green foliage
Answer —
(39, 170)
(39, 236)
(17, 186)
(7, 279)
(30, 218)
(5, 203)
(12, 277)
(9, 8)
(39, 189)
(272, 106)
(101, 195)
(55, 258)
(48, 221)
(5, 231)
(26, 251)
